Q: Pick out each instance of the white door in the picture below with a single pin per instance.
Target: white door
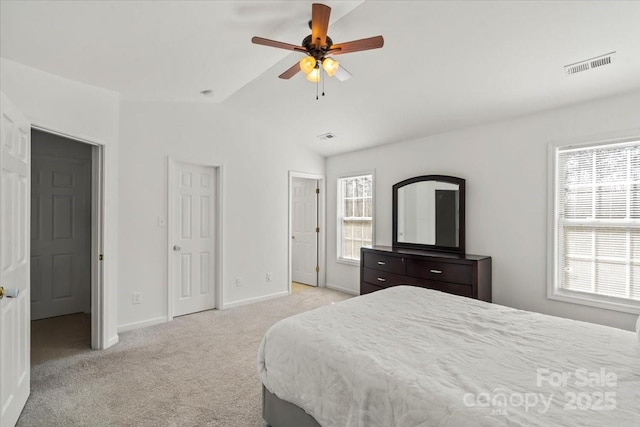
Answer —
(15, 328)
(304, 250)
(193, 241)
(60, 226)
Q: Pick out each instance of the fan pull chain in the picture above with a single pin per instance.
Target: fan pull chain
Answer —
(323, 76)
(317, 84)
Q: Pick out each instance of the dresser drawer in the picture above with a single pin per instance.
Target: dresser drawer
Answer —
(440, 271)
(367, 288)
(383, 278)
(450, 288)
(381, 262)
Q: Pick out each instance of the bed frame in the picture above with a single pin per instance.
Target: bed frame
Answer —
(280, 413)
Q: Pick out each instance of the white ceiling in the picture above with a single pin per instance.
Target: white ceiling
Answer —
(445, 64)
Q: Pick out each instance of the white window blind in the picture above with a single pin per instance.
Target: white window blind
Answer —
(598, 220)
(355, 214)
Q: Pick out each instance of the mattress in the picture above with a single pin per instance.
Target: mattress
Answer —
(407, 356)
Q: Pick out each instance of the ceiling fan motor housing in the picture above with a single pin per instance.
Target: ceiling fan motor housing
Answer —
(310, 46)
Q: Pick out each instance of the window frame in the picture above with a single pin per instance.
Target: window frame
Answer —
(340, 214)
(554, 292)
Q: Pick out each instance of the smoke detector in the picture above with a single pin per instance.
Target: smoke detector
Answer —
(327, 135)
(589, 64)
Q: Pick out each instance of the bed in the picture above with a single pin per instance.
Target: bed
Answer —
(407, 356)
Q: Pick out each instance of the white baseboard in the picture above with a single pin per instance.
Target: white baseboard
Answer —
(141, 324)
(252, 300)
(112, 341)
(341, 289)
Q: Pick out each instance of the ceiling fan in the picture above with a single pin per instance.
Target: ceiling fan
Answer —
(318, 47)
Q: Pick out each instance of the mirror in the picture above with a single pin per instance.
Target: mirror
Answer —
(428, 213)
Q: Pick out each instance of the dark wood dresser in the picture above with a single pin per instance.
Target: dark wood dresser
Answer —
(465, 275)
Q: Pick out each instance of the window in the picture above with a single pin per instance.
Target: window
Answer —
(597, 225)
(355, 215)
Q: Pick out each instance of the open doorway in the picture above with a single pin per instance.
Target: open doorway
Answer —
(64, 216)
(305, 201)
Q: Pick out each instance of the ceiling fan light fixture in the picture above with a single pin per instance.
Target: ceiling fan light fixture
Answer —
(307, 64)
(318, 44)
(314, 75)
(330, 66)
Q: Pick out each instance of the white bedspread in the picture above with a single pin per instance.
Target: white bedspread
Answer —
(407, 356)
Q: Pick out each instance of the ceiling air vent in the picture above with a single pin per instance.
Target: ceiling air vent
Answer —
(328, 135)
(589, 64)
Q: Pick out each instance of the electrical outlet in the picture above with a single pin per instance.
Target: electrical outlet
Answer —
(239, 281)
(268, 277)
(135, 298)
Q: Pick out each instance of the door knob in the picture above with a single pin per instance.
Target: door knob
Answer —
(176, 248)
(9, 292)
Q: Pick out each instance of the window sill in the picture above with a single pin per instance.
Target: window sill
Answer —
(607, 303)
(346, 261)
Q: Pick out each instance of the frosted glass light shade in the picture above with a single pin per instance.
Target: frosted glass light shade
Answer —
(314, 75)
(307, 64)
(330, 66)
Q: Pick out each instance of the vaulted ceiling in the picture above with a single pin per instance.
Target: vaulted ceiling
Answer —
(444, 65)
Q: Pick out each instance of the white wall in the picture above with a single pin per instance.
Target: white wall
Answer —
(505, 165)
(85, 112)
(255, 206)
(142, 136)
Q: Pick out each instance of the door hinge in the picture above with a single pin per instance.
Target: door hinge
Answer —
(317, 269)
(101, 257)
(317, 229)
(317, 191)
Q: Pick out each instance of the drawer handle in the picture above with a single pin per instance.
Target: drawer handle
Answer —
(436, 271)
(380, 279)
(381, 263)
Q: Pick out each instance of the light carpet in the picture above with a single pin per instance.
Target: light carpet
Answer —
(198, 370)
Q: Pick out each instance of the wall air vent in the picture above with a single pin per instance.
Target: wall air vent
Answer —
(589, 64)
(328, 135)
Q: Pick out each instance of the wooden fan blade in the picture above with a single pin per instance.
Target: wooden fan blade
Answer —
(342, 74)
(319, 23)
(273, 43)
(357, 45)
(290, 72)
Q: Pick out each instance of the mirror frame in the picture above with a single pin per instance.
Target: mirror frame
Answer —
(461, 214)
